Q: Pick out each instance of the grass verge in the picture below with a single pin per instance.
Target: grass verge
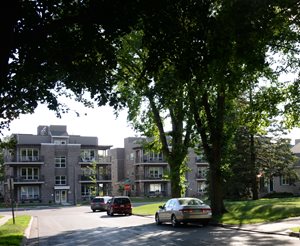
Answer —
(148, 209)
(295, 229)
(259, 211)
(12, 234)
(244, 212)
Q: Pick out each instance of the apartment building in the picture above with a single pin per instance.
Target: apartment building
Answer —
(55, 167)
(147, 170)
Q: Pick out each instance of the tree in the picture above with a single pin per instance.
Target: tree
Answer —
(154, 100)
(273, 158)
(212, 46)
(50, 46)
(7, 144)
(216, 46)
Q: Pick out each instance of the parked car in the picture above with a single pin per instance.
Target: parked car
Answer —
(119, 205)
(99, 203)
(183, 210)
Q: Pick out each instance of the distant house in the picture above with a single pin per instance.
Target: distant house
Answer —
(284, 183)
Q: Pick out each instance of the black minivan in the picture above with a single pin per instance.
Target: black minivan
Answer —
(119, 205)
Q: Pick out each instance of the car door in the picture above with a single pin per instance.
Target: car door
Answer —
(169, 209)
(162, 211)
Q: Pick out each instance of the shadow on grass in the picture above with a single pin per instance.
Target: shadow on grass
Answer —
(259, 211)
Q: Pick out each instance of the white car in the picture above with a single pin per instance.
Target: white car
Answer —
(183, 210)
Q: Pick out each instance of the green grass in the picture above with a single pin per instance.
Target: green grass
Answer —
(12, 234)
(148, 209)
(263, 210)
(149, 199)
(295, 229)
(244, 212)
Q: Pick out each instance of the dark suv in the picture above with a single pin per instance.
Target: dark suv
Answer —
(119, 205)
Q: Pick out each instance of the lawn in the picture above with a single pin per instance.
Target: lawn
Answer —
(12, 234)
(148, 209)
(245, 212)
(263, 210)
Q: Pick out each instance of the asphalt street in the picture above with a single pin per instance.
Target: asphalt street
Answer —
(66, 226)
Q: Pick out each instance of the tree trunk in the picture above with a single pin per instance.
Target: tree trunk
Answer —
(253, 166)
(216, 183)
(176, 186)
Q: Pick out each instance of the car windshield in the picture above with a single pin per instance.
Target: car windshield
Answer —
(98, 200)
(192, 202)
(122, 200)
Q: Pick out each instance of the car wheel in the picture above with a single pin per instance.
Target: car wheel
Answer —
(157, 220)
(174, 221)
(111, 212)
(107, 212)
(94, 210)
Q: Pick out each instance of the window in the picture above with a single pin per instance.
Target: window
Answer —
(87, 190)
(30, 192)
(29, 154)
(131, 156)
(155, 187)
(60, 141)
(155, 172)
(285, 180)
(60, 161)
(201, 187)
(202, 171)
(30, 173)
(88, 155)
(88, 171)
(60, 180)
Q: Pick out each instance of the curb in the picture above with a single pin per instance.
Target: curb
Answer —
(294, 234)
(291, 234)
(27, 233)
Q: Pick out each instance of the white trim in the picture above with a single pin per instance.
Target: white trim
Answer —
(62, 187)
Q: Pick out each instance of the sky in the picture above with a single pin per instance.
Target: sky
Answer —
(100, 122)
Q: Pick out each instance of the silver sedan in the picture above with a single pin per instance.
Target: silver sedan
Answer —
(183, 210)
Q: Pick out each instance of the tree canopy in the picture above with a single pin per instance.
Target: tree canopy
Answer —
(217, 50)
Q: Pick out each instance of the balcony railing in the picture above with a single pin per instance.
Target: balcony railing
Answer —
(200, 160)
(148, 177)
(98, 159)
(98, 177)
(147, 159)
(200, 176)
(22, 158)
(26, 179)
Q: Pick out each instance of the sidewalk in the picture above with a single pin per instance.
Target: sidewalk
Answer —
(281, 227)
(4, 219)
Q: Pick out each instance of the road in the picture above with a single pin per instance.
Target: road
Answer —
(72, 226)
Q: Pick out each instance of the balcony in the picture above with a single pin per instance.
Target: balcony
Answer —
(21, 159)
(99, 178)
(200, 176)
(98, 160)
(149, 177)
(150, 161)
(28, 180)
(199, 160)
